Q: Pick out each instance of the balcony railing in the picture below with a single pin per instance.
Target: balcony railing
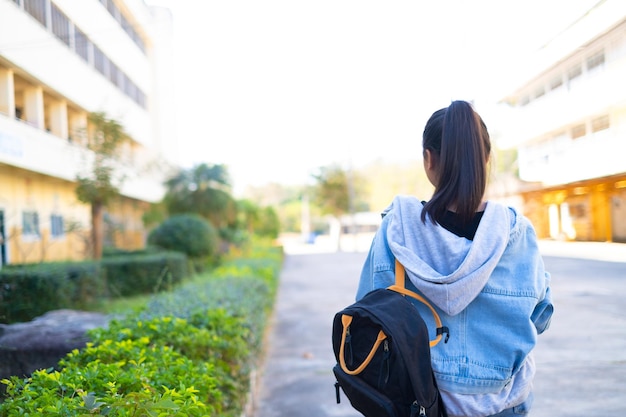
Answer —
(596, 155)
(29, 148)
(560, 109)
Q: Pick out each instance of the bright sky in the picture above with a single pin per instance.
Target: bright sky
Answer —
(275, 89)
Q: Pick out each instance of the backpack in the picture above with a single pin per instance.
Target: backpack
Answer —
(382, 349)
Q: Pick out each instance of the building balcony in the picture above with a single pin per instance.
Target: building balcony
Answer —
(592, 95)
(597, 155)
(30, 148)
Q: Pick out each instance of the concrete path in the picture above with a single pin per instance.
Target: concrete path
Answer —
(297, 378)
(581, 359)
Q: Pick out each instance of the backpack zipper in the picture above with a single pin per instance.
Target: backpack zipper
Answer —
(350, 358)
(384, 366)
(414, 410)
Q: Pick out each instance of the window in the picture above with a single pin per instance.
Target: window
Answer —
(37, 9)
(30, 223)
(575, 72)
(141, 99)
(579, 131)
(81, 44)
(56, 225)
(113, 73)
(556, 82)
(113, 10)
(64, 29)
(595, 61)
(600, 123)
(99, 60)
(540, 92)
(130, 30)
(126, 26)
(60, 24)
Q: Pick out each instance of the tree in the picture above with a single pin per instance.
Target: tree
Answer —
(261, 221)
(205, 190)
(101, 184)
(337, 193)
(334, 192)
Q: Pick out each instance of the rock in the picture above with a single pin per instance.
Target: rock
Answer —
(42, 342)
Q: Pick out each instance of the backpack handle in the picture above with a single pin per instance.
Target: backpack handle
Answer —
(399, 287)
(345, 321)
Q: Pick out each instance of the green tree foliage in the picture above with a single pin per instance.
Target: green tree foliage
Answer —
(284, 200)
(204, 190)
(338, 191)
(187, 233)
(385, 180)
(261, 221)
(268, 224)
(101, 183)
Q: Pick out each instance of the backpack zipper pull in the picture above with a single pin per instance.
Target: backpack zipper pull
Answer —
(384, 366)
(414, 410)
(337, 392)
(349, 347)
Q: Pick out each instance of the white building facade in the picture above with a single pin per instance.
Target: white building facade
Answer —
(568, 123)
(61, 60)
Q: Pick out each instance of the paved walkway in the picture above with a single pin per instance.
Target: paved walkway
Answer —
(581, 359)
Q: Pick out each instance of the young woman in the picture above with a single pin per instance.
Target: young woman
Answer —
(477, 262)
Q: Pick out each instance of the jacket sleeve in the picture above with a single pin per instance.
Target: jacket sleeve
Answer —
(377, 271)
(542, 314)
(528, 247)
(366, 282)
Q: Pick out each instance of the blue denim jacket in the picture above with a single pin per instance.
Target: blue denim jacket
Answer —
(492, 293)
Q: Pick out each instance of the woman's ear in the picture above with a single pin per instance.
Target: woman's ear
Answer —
(430, 166)
(429, 160)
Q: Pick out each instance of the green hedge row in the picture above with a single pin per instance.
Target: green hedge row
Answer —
(189, 352)
(27, 291)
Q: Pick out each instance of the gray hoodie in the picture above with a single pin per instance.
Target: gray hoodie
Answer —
(449, 270)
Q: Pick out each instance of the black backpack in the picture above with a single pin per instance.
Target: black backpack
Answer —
(382, 348)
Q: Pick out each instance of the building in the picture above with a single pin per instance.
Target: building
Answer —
(61, 60)
(568, 123)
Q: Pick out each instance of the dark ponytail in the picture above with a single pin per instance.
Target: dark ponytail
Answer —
(459, 138)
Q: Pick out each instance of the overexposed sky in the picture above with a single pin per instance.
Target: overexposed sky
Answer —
(274, 89)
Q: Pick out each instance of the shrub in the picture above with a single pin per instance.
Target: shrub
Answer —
(187, 233)
(27, 291)
(117, 378)
(190, 352)
(144, 274)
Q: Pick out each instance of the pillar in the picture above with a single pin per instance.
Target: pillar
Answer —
(7, 92)
(33, 107)
(58, 119)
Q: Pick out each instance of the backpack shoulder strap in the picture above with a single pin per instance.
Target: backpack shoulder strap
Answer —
(401, 288)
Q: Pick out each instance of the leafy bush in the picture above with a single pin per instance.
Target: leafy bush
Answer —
(188, 353)
(187, 233)
(117, 378)
(144, 274)
(27, 291)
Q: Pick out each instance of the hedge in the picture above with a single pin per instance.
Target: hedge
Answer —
(190, 352)
(28, 291)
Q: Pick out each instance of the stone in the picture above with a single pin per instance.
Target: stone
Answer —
(42, 342)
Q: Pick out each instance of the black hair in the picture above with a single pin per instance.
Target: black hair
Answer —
(458, 137)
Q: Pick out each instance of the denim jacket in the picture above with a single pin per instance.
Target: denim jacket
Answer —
(492, 293)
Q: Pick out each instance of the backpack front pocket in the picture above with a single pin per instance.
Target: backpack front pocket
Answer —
(364, 398)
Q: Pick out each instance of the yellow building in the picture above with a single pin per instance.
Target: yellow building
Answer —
(568, 123)
(61, 60)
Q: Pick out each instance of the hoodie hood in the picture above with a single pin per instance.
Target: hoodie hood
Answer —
(449, 270)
